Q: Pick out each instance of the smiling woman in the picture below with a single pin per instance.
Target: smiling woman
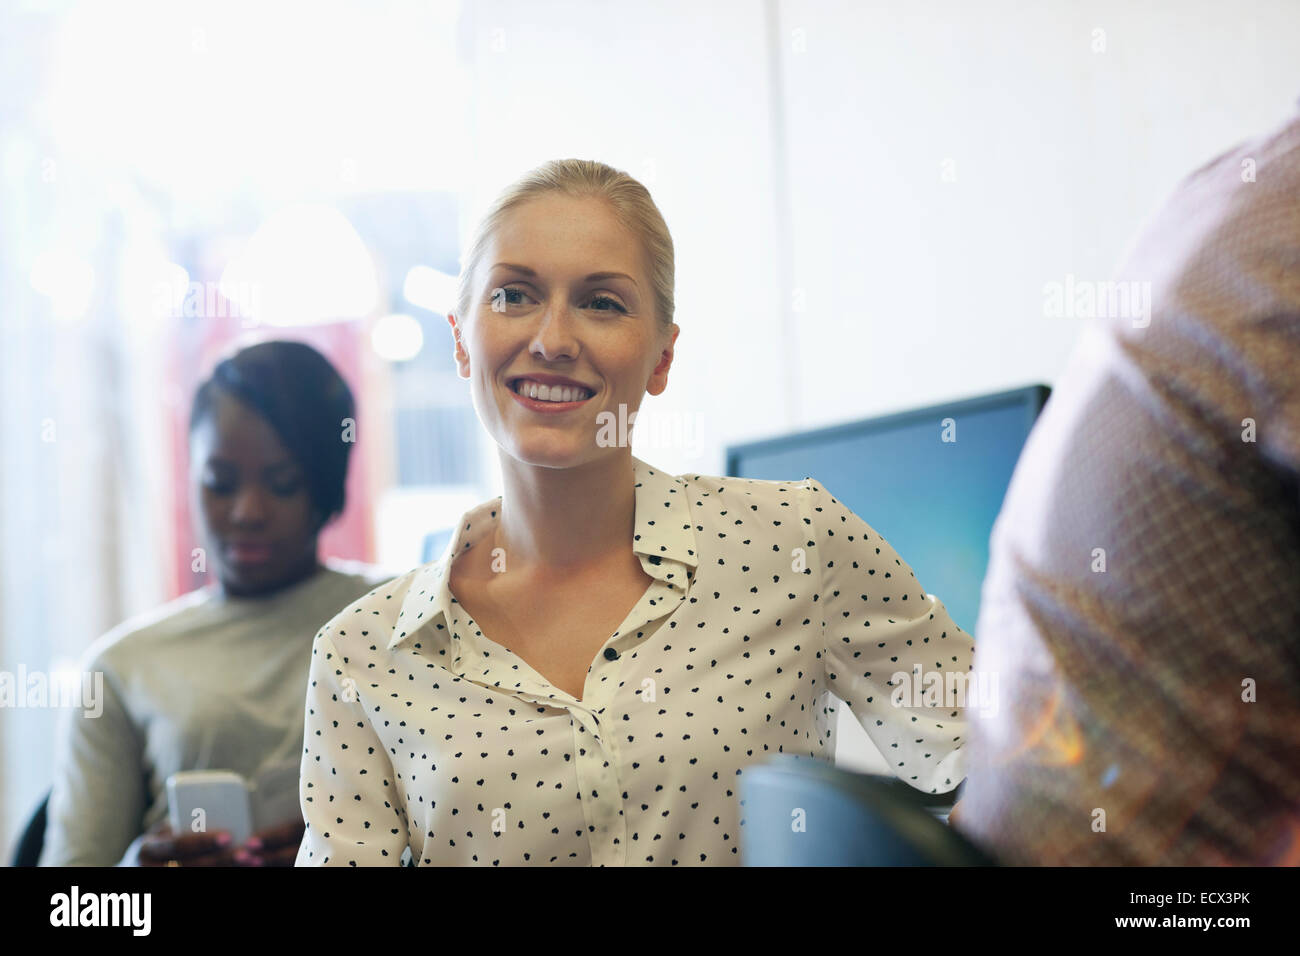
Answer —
(565, 315)
(603, 649)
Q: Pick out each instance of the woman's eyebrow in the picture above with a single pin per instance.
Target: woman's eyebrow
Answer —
(594, 277)
(599, 276)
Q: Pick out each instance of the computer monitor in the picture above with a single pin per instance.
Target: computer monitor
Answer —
(930, 481)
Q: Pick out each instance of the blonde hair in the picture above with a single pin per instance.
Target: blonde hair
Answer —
(580, 178)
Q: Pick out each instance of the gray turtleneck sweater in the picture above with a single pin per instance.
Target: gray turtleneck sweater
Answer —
(205, 682)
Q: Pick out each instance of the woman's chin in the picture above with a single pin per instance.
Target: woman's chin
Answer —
(550, 451)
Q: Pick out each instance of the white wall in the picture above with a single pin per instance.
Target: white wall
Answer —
(920, 289)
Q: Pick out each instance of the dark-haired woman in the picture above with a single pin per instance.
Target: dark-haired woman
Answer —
(215, 679)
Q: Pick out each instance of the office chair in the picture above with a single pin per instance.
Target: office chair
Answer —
(803, 811)
(28, 850)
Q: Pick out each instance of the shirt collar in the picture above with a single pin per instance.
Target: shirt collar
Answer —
(663, 540)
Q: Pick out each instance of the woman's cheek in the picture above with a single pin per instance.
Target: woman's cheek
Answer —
(296, 516)
(210, 514)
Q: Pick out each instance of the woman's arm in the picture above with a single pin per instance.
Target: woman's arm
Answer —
(349, 799)
(892, 652)
(98, 798)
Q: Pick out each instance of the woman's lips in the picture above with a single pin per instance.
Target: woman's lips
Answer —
(537, 405)
(249, 553)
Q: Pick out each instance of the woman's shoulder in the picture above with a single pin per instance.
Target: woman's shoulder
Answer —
(140, 631)
(338, 585)
(725, 513)
(721, 493)
(751, 485)
(381, 593)
(722, 505)
(358, 576)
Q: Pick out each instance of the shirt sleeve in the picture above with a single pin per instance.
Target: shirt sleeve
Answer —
(98, 798)
(353, 813)
(892, 653)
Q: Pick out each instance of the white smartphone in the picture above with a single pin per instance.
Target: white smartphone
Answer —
(204, 801)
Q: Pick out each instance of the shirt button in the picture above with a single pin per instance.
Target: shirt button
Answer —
(611, 654)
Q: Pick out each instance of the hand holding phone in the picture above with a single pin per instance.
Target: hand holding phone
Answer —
(200, 801)
(160, 846)
(263, 820)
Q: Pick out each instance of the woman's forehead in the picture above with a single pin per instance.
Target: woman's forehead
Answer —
(233, 428)
(565, 234)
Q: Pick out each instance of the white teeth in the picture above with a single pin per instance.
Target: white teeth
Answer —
(551, 393)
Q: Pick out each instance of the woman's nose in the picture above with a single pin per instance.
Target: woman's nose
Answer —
(554, 337)
(249, 506)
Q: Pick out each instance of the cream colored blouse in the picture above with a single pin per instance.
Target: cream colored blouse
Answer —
(427, 741)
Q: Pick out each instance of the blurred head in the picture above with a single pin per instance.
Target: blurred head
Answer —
(570, 274)
(268, 462)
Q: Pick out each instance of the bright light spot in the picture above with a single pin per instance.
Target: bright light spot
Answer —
(152, 288)
(430, 289)
(397, 338)
(340, 131)
(305, 265)
(66, 280)
(65, 679)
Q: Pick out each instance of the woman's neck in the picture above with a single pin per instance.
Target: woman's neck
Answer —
(559, 521)
(306, 570)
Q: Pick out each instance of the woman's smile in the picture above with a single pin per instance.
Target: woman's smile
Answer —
(549, 399)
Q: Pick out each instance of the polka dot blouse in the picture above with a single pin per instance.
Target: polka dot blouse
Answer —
(426, 743)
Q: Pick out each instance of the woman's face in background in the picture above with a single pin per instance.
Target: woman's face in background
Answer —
(562, 289)
(253, 504)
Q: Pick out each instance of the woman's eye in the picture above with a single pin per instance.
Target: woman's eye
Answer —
(607, 299)
(286, 489)
(515, 296)
(218, 485)
(504, 297)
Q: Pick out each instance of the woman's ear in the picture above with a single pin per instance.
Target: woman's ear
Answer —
(461, 356)
(659, 377)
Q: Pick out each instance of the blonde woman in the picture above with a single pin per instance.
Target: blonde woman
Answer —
(603, 649)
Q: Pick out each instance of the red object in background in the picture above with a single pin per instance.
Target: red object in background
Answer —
(197, 346)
